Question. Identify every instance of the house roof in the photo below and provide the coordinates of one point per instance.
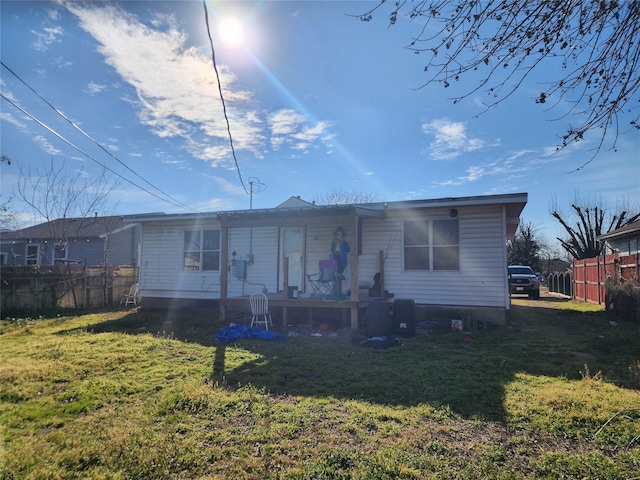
(630, 230)
(295, 208)
(65, 228)
(293, 202)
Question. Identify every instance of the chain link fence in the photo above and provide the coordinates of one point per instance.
(561, 283)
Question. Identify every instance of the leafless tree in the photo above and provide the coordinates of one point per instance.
(52, 195)
(593, 45)
(8, 219)
(526, 246)
(338, 196)
(592, 221)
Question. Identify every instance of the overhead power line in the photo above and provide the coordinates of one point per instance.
(43, 125)
(173, 202)
(224, 107)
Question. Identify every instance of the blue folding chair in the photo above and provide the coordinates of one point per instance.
(323, 282)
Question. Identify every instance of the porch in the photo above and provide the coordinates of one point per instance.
(351, 305)
(351, 310)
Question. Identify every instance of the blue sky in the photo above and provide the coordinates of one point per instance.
(317, 101)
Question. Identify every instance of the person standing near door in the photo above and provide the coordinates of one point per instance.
(340, 249)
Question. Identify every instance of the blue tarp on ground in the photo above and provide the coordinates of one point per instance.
(377, 342)
(234, 332)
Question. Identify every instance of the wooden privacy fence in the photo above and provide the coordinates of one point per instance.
(589, 274)
(35, 289)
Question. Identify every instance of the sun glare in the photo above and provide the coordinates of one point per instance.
(231, 31)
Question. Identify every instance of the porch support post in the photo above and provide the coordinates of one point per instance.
(224, 261)
(354, 317)
(285, 277)
(354, 269)
(285, 289)
(354, 262)
(381, 265)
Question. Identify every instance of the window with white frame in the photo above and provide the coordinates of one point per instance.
(201, 250)
(446, 248)
(59, 252)
(416, 245)
(33, 252)
(431, 245)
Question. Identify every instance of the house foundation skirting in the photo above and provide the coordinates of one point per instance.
(351, 312)
(473, 318)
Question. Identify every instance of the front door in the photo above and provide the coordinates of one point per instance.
(292, 246)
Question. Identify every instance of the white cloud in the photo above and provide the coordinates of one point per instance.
(176, 86)
(94, 88)
(7, 117)
(310, 134)
(229, 187)
(46, 37)
(285, 122)
(59, 62)
(172, 162)
(287, 127)
(450, 139)
(474, 173)
(301, 146)
(53, 14)
(177, 91)
(46, 146)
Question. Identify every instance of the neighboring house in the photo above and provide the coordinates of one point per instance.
(447, 255)
(89, 241)
(620, 260)
(624, 240)
(555, 265)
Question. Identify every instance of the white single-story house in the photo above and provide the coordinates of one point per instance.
(624, 240)
(447, 255)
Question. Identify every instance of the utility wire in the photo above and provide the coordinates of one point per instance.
(89, 156)
(175, 202)
(224, 107)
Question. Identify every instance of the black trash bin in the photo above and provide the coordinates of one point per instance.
(378, 318)
(404, 318)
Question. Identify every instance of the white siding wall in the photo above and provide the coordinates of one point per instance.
(161, 265)
(480, 280)
(262, 242)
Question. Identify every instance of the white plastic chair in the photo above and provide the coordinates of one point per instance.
(260, 310)
(133, 297)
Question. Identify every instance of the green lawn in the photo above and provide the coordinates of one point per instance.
(127, 394)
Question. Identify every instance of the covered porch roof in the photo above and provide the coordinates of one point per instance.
(348, 216)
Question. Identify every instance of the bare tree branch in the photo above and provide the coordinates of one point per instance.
(343, 197)
(52, 195)
(526, 247)
(593, 45)
(582, 240)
